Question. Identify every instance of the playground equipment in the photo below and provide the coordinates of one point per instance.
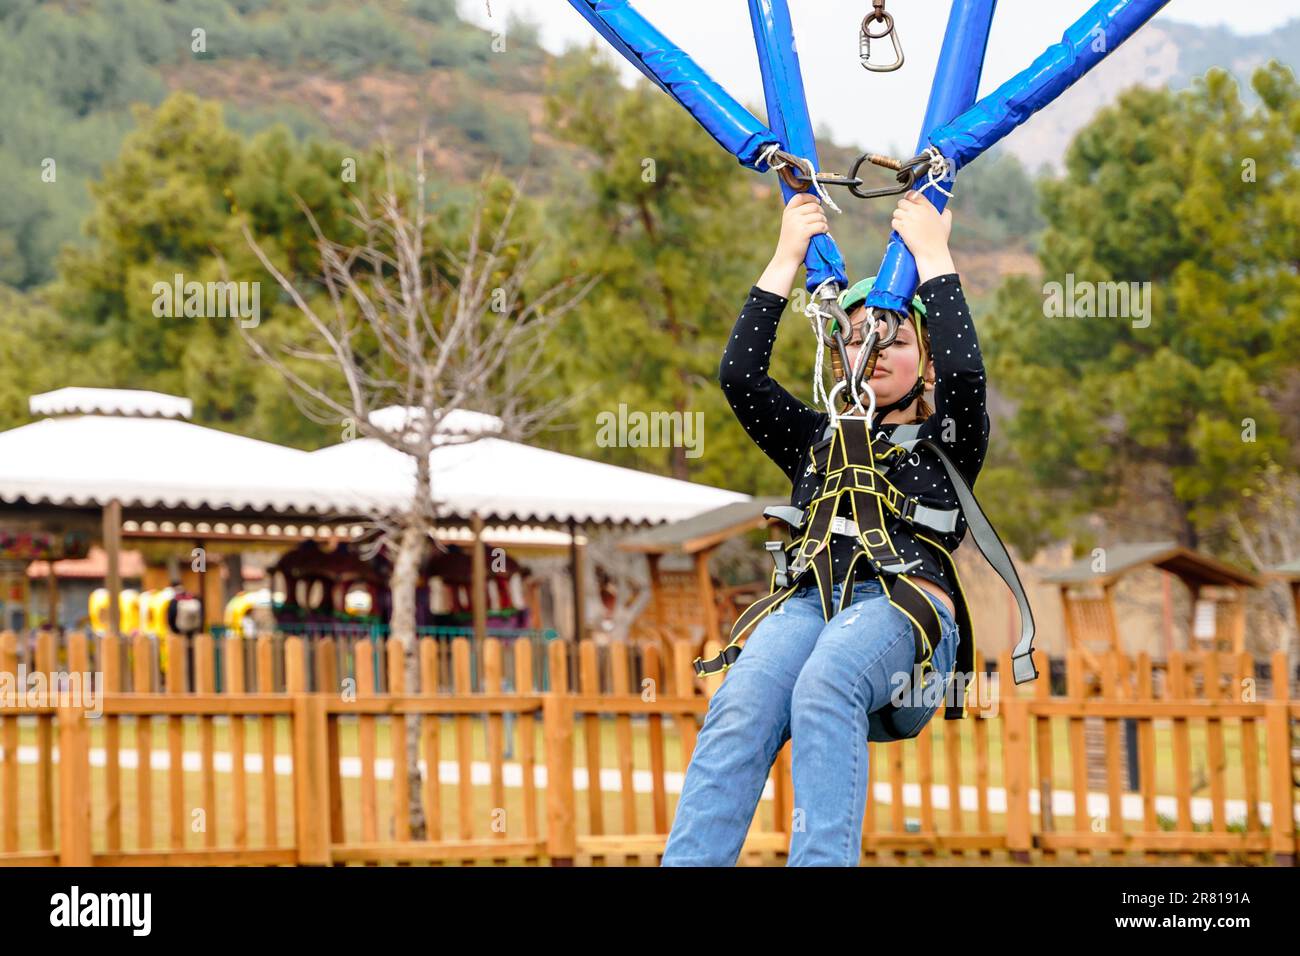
(956, 130)
(322, 591)
(249, 612)
(128, 603)
(155, 613)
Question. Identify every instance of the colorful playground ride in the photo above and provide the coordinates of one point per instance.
(155, 613)
(322, 592)
(128, 611)
(249, 612)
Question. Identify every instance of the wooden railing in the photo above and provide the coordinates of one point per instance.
(585, 771)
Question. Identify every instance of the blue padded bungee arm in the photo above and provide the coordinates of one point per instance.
(956, 81)
(787, 114)
(674, 72)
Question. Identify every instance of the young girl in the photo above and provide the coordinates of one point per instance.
(822, 684)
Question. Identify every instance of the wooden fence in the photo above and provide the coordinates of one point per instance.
(583, 772)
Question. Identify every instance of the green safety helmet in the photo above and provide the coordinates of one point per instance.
(855, 295)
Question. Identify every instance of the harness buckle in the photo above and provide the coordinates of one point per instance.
(900, 568)
(777, 550)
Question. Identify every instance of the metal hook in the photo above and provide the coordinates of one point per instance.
(878, 15)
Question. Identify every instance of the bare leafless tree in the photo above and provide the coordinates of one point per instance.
(627, 576)
(401, 320)
(1267, 529)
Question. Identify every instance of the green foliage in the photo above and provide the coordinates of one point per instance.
(352, 42)
(175, 202)
(435, 11)
(677, 235)
(503, 134)
(995, 200)
(1154, 423)
(72, 72)
(39, 351)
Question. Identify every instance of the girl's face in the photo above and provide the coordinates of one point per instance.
(897, 363)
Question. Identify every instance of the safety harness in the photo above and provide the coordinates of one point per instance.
(856, 469)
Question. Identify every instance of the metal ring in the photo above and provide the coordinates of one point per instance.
(830, 402)
(886, 18)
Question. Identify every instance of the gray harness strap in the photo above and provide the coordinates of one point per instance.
(994, 551)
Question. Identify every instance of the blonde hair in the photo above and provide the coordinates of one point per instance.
(923, 409)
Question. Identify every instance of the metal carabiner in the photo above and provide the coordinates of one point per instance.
(841, 319)
(908, 171)
(870, 410)
(873, 344)
(878, 15)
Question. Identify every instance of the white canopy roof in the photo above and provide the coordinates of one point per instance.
(91, 459)
(516, 481)
(161, 463)
(110, 401)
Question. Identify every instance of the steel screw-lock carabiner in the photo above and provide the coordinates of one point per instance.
(872, 344)
(908, 171)
(875, 342)
(878, 15)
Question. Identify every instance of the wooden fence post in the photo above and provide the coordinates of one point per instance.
(557, 732)
(311, 794)
(74, 787)
(234, 686)
(9, 743)
(1282, 827)
(1015, 755)
(1277, 720)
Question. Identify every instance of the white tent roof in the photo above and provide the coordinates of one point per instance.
(456, 423)
(160, 463)
(516, 481)
(110, 401)
(91, 459)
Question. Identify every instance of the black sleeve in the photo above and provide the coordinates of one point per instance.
(779, 423)
(960, 423)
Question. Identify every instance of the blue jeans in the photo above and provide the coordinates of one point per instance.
(821, 685)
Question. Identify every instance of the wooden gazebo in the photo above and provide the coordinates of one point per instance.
(687, 604)
(1087, 595)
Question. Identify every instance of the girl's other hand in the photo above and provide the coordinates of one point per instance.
(926, 232)
(803, 218)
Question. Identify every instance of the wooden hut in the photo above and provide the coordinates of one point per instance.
(1087, 587)
(688, 603)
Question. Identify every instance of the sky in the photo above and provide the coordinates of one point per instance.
(716, 34)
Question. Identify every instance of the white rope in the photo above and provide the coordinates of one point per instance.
(817, 317)
(807, 166)
(940, 168)
(768, 156)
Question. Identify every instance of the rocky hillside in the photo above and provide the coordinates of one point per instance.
(1163, 53)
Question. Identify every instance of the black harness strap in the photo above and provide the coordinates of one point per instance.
(856, 468)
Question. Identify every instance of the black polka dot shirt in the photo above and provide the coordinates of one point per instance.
(785, 428)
